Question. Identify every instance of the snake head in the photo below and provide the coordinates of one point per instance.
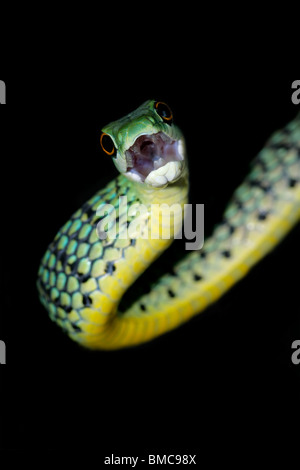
(146, 146)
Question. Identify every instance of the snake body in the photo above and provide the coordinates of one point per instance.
(82, 278)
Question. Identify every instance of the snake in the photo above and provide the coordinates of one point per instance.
(85, 272)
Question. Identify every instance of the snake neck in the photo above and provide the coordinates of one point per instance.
(158, 211)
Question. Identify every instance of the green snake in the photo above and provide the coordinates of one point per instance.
(83, 276)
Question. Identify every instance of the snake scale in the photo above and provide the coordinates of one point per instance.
(82, 278)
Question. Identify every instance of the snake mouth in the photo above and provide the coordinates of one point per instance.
(155, 159)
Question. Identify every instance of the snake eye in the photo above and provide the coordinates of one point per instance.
(164, 111)
(107, 144)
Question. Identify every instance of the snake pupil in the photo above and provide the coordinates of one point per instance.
(164, 111)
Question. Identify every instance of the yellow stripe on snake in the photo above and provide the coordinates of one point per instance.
(82, 278)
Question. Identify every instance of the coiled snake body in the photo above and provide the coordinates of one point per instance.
(83, 278)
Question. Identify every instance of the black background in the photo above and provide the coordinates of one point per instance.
(207, 382)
